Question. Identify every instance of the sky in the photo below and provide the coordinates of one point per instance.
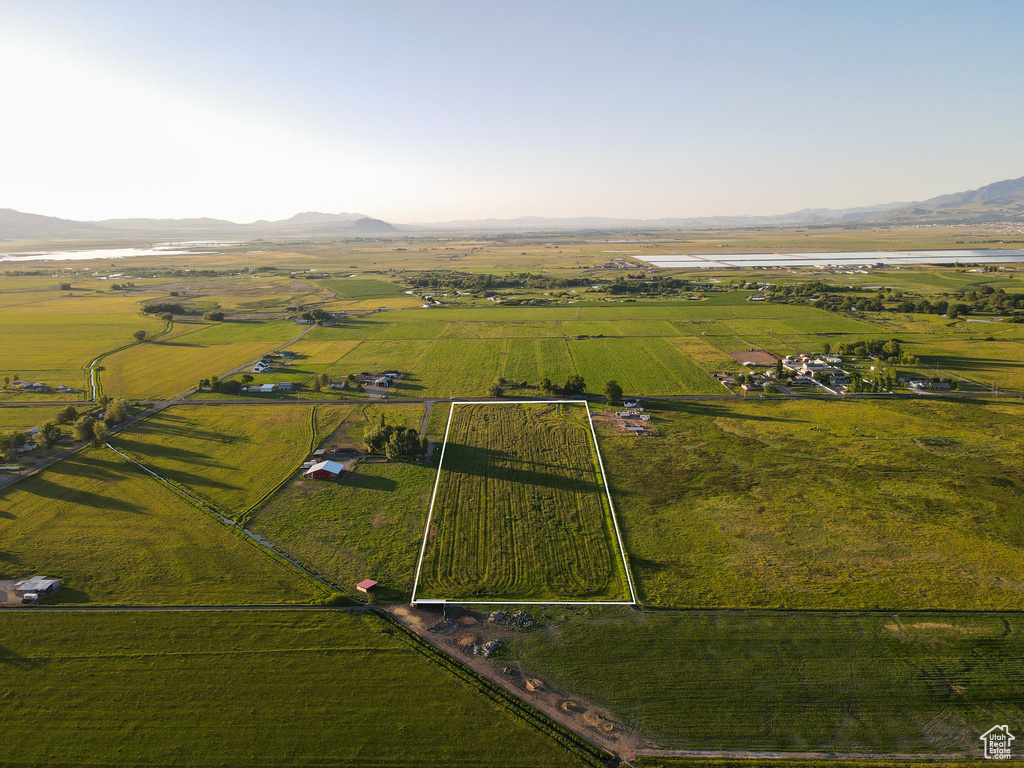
(434, 111)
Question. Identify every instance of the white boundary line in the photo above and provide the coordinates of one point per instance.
(611, 506)
(608, 493)
(433, 497)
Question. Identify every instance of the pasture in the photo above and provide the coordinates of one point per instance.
(892, 504)
(115, 536)
(520, 511)
(367, 524)
(763, 680)
(53, 338)
(234, 689)
(166, 368)
(230, 456)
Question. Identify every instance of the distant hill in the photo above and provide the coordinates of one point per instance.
(24, 225)
(17, 225)
(1001, 201)
(371, 226)
(806, 217)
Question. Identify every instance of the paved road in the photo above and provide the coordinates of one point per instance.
(140, 608)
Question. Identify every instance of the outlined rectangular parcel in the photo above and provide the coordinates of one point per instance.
(521, 511)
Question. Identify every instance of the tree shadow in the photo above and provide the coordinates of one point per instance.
(9, 658)
(502, 466)
(369, 482)
(714, 410)
(48, 490)
(140, 448)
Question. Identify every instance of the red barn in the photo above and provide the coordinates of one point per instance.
(325, 470)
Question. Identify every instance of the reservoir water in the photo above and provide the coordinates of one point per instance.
(188, 247)
(842, 259)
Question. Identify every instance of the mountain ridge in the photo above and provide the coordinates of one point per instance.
(999, 201)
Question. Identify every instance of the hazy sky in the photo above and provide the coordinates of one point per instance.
(428, 111)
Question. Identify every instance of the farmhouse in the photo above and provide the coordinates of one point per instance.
(324, 470)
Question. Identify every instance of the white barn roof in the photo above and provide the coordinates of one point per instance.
(330, 466)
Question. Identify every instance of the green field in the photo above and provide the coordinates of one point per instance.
(244, 689)
(115, 536)
(759, 680)
(520, 512)
(356, 288)
(231, 456)
(368, 524)
(163, 369)
(22, 418)
(52, 338)
(824, 504)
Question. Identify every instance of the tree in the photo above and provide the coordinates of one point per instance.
(247, 378)
(50, 434)
(574, 385)
(67, 415)
(7, 381)
(117, 412)
(139, 335)
(214, 316)
(167, 317)
(99, 432)
(892, 348)
(395, 442)
(547, 387)
(11, 442)
(613, 392)
(85, 428)
(64, 287)
(496, 389)
(779, 369)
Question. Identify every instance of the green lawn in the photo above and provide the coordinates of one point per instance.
(114, 535)
(824, 504)
(749, 680)
(231, 456)
(520, 512)
(243, 689)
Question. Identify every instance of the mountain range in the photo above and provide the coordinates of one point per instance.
(1001, 201)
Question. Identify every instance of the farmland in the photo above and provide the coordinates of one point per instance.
(842, 574)
(58, 335)
(261, 688)
(810, 504)
(229, 456)
(115, 536)
(843, 682)
(162, 369)
(519, 512)
(368, 524)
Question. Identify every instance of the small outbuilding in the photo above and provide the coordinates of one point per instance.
(366, 585)
(324, 470)
(40, 585)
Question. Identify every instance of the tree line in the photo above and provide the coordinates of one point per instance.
(83, 427)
